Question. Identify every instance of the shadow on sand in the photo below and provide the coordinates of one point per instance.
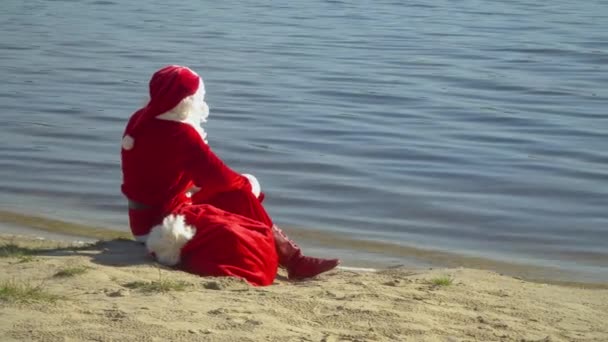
(117, 252)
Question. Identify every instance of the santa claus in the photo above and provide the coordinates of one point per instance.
(190, 208)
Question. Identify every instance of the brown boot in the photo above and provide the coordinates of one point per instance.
(299, 266)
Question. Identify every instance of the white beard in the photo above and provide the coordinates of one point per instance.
(193, 116)
(197, 118)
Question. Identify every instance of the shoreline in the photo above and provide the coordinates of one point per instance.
(111, 291)
(399, 256)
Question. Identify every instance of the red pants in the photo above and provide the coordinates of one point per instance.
(240, 202)
(226, 244)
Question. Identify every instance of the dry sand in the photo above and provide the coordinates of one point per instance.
(105, 304)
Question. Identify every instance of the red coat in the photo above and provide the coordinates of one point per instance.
(233, 237)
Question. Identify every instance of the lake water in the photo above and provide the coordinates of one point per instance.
(475, 127)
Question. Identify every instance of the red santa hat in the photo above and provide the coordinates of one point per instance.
(173, 88)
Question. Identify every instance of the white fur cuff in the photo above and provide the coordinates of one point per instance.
(256, 189)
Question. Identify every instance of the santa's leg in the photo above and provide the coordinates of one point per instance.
(299, 266)
(240, 202)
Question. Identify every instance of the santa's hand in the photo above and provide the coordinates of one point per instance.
(255, 185)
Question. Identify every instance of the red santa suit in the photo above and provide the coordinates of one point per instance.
(164, 156)
(221, 229)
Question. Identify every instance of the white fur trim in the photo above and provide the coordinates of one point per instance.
(141, 238)
(192, 110)
(166, 240)
(190, 192)
(256, 189)
(128, 142)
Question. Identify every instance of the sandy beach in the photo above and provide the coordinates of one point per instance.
(110, 291)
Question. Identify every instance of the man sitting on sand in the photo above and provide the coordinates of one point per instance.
(189, 207)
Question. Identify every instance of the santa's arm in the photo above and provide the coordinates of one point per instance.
(212, 175)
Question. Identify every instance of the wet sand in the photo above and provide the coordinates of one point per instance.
(354, 253)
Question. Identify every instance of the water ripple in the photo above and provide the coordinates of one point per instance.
(477, 127)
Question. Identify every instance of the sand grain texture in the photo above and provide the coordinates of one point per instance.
(392, 305)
